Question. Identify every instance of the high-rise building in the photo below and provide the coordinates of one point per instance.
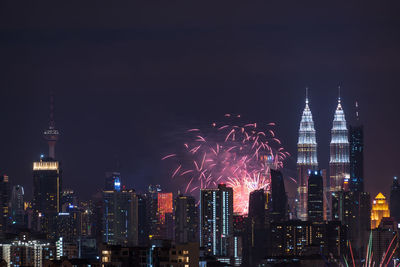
(256, 241)
(356, 136)
(306, 158)
(120, 217)
(143, 221)
(112, 181)
(186, 219)
(165, 224)
(380, 209)
(17, 205)
(395, 199)
(51, 135)
(339, 163)
(4, 202)
(69, 225)
(279, 201)
(216, 220)
(46, 194)
(152, 210)
(69, 200)
(315, 197)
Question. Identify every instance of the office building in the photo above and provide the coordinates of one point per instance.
(356, 138)
(395, 199)
(186, 219)
(279, 201)
(216, 220)
(120, 218)
(4, 203)
(315, 197)
(379, 210)
(143, 220)
(306, 158)
(17, 206)
(47, 182)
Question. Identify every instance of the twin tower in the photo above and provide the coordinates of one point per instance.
(339, 164)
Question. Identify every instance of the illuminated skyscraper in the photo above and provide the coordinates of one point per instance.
(306, 158)
(339, 164)
(380, 209)
(46, 194)
(165, 225)
(120, 221)
(216, 220)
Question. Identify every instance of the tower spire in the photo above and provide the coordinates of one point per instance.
(306, 95)
(339, 100)
(51, 135)
(357, 114)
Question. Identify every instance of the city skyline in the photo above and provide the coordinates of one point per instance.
(103, 117)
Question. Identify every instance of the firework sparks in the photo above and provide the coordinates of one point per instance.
(238, 155)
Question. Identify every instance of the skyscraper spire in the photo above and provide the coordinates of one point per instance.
(306, 157)
(51, 134)
(339, 149)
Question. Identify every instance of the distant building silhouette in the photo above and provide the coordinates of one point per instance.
(315, 197)
(395, 199)
(186, 219)
(279, 201)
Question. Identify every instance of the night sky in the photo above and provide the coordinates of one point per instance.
(128, 79)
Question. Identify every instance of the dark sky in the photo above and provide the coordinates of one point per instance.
(128, 77)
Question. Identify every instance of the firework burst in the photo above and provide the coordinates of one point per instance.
(239, 155)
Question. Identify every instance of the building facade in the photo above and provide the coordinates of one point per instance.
(186, 219)
(315, 197)
(47, 187)
(120, 218)
(216, 220)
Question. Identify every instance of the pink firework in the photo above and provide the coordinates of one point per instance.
(239, 155)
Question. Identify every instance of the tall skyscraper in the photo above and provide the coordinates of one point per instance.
(216, 220)
(17, 205)
(112, 181)
(51, 135)
(258, 221)
(152, 210)
(395, 199)
(279, 202)
(356, 136)
(306, 158)
(120, 221)
(4, 202)
(315, 197)
(165, 222)
(143, 221)
(46, 194)
(380, 209)
(186, 219)
(339, 150)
